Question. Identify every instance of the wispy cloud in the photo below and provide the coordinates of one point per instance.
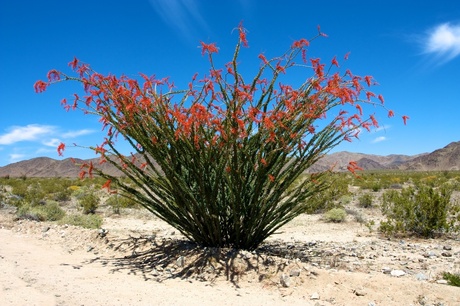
(54, 142)
(442, 41)
(182, 15)
(74, 134)
(29, 132)
(379, 139)
(16, 157)
(383, 128)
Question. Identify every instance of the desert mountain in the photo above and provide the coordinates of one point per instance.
(447, 158)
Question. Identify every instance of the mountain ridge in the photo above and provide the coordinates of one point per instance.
(443, 159)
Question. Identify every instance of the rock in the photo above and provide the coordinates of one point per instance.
(441, 281)
(155, 272)
(446, 254)
(359, 292)
(89, 248)
(246, 254)
(386, 270)
(447, 248)
(45, 229)
(102, 232)
(180, 262)
(421, 277)
(397, 273)
(294, 272)
(285, 280)
(314, 296)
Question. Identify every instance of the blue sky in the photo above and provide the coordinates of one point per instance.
(411, 48)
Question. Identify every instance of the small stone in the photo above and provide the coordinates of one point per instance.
(447, 248)
(359, 292)
(446, 254)
(397, 273)
(315, 296)
(155, 272)
(386, 270)
(89, 248)
(421, 277)
(285, 280)
(180, 262)
(45, 229)
(294, 272)
(246, 254)
(441, 281)
(102, 232)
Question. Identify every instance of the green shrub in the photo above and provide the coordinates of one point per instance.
(365, 200)
(452, 279)
(334, 196)
(420, 210)
(62, 195)
(335, 215)
(118, 201)
(217, 160)
(86, 221)
(89, 202)
(51, 211)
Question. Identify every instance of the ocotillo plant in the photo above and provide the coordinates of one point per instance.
(217, 160)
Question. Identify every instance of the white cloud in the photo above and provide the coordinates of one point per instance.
(379, 139)
(182, 15)
(443, 41)
(382, 128)
(73, 134)
(29, 132)
(15, 157)
(52, 142)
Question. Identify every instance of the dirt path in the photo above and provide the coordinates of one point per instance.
(47, 264)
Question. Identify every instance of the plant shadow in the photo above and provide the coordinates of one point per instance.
(160, 259)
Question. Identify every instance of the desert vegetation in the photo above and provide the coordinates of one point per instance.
(421, 204)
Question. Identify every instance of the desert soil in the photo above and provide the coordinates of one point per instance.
(139, 260)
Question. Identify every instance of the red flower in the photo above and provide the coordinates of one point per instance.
(107, 185)
(353, 167)
(90, 169)
(40, 86)
(405, 119)
(390, 113)
(368, 80)
(60, 148)
(300, 43)
(73, 64)
(271, 178)
(208, 48)
(53, 75)
(374, 121)
(243, 35)
(263, 58)
(359, 108)
(335, 62)
(280, 68)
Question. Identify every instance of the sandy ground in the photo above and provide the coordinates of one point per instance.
(139, 260)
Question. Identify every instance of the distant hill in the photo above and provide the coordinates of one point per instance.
(447, 158)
